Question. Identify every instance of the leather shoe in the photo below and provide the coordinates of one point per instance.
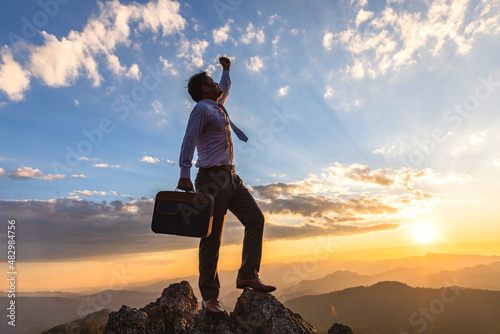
(255, 284)
(212, 306)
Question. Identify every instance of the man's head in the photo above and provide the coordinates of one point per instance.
(202, 86)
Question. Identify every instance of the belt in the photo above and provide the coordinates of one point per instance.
(217, 168)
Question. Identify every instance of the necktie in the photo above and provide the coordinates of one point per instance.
(239, 133)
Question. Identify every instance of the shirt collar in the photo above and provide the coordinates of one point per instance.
(210, 102)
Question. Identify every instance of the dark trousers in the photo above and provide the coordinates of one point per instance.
(229, 193)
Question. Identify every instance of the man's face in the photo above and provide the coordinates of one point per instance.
(211, 89)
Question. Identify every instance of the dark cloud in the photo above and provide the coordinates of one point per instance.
(318, 206)
(361, 173)
(309, 229)
(71, 229)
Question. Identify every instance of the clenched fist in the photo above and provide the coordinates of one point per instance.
(225, 62)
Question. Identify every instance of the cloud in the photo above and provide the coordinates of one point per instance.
(30, 173)
(86, 229)
(363, 16)
(478, 138)
(59, 62)
(343, 200)
(101, 165)
(171, 163)
(78, 176)
(283, 91)
(320, 206)
(2, 172)
(14, 80)
(315, 229)
(150, 160)
(221, 35)
(329, 92)
(328, 40)
(88, 193)
(167, 66)
(133, 72)
(192, 52)
(397, 40)
(273, 18)
(355, 191)
(252, 33)
(255, 64)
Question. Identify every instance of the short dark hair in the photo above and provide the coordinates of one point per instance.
(195, 83)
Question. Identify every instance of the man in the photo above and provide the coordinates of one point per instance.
(208, 130)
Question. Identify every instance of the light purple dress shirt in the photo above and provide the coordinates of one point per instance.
(208, 131)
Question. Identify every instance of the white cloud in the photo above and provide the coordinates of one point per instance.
(477, 138)
(328, 41)
(397, 40)
(133, 72)
(283, 91)
(356, 70)
(150, 160)
(30, 173)
(158, 108)
(192, 52)
(168, 66)
(78, 176)
(329, 92)
(59, 62)
(252, 33)
(255, 64)
(105, 166)
(2, 172)
(88, 193)
(76, 103)
(14, 80)
(221, 35)
(273, 18)
(171, 163)
(362, 16)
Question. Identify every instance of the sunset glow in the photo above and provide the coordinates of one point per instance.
(424, 233)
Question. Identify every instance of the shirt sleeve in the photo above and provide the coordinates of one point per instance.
(196, 124)
(225, 85)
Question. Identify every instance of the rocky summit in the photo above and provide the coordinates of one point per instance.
(176, 312)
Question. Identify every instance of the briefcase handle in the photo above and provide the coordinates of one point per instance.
(188, 191)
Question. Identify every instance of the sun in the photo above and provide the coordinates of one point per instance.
(424, 233)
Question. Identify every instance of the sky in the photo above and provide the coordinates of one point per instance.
(373, 126)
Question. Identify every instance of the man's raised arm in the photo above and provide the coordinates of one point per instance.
(225, 81)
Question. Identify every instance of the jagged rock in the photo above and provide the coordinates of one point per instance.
(179, 305)
(218, 324)
(176, 312)
(339, 329)
(257, 312)
(130, 321)
(172, 313)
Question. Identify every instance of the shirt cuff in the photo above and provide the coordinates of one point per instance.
(185, 173)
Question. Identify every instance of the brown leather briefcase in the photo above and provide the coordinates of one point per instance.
(187, 214)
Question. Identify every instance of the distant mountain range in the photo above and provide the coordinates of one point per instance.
(43, 310)
(395, 308)
(37, 314)
(486, 277)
